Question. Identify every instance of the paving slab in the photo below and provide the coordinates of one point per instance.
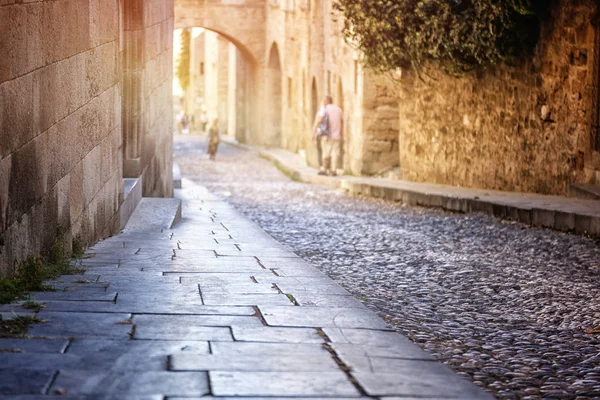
(418, 384)
(213, 306)
(321, 317)
(276, 335)
(35, 346)
(334, 383)
(121, 385)
(78, 324)
(24, 381)
(228, 299)
(302, 350)
(247, 362)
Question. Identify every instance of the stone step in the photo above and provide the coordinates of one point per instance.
(584, 191)
(132, 194)
(155, 213)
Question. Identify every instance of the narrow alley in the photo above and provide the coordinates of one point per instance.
(502, 303)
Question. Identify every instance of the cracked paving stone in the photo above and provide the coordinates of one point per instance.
(250, 363)
(281, 384)
(121, 384)
(322, 317)
(276, 335)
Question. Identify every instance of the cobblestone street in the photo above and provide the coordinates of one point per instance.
(505, 304)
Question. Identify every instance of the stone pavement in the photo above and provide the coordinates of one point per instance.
(556, 212)
(213, 307)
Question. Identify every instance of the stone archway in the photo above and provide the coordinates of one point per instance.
(275, 94)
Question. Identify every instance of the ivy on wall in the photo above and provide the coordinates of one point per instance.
(458, 34)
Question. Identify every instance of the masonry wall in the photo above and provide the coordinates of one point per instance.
(312, 47)
(148, 113)
(61, 127)
(523, 128)
(60, 124)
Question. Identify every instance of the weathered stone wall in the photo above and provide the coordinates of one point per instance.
(523, 128)
(60, 124)
(312, 48)
(151, 77)
(61, 143)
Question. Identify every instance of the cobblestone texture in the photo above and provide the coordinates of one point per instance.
(501, 303)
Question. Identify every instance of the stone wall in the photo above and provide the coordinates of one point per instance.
(523, 128)
(60, 124)
(148, 111)
(61, 143)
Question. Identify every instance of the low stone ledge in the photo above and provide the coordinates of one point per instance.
(559, 213)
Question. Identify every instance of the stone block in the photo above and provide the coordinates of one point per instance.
(276, 335)
(64, 29)
(21, 382)
(322, 317)
(119, 384)
(417, 384)
(251, 363)
(100, 68)
(16, 113)
(543, 218)
(21, 42)
(75, 324)
(35, 346)
(28, 177)
(281, 384)
(564, 221)
(104, 22)
(5, 168)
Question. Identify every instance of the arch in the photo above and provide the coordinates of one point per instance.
(248, 54)
(274, 94)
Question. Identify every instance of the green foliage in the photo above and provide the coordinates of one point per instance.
(458, 34)
(183, 64)
(77, 247)
(31, 273)
(16, 327)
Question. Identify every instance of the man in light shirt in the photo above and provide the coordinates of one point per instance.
(328, 130)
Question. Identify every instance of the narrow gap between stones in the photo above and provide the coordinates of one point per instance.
(199, 292)
(346, 369)
(259, 315)
(259, 263)
(46, 389)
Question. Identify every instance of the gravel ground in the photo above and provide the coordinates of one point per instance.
(504, 304)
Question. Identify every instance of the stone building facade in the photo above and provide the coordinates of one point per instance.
(525, 128)
(290, 54)
(84, 102)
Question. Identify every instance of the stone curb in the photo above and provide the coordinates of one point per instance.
(533, 210)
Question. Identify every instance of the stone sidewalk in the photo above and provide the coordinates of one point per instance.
(555, 212)
(213, 307)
